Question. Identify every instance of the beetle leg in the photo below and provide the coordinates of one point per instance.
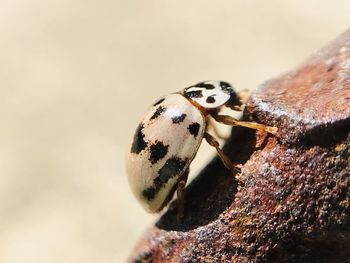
(238, 108)
(216, 131)
(228, 120)
(225, 160)
(180, 195)
(180, 200)
(243, 95)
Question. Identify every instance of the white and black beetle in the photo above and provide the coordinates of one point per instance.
(169, 135)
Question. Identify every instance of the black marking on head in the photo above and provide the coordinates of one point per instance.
(139, 142)
(194, 128)
(193, 94)
(159, 102)
(178, 119)
(158, 112)
(205, 85)
(210, 99)
(158, 151)
(170, 169)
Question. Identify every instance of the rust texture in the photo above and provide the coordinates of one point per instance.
(294, 203)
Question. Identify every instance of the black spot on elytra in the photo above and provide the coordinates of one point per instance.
(150, 192)
(210, 99)
(173, 167)
(194, 94)
(194, 128)
(159, 102)
(178, 119)
(139, 142)
(158, 112)
(158, 151)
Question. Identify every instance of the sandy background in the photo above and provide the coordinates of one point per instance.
(75, 76)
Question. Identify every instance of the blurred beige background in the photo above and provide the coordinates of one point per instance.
(75, 76)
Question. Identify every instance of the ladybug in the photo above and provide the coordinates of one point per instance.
(169, 135)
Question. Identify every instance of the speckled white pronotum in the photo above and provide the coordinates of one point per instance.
(168, 137)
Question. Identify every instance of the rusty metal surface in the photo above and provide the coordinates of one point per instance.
(313, 96)
(294, 205)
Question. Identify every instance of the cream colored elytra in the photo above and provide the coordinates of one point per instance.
(172, 128)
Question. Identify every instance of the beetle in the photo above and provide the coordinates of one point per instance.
(169, 135)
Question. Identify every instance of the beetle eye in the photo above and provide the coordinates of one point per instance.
(225, 86)
(234, 100)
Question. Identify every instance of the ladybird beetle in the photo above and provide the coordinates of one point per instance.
(169, 135)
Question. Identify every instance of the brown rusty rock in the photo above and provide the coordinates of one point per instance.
(313, 98)
(294, 205)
